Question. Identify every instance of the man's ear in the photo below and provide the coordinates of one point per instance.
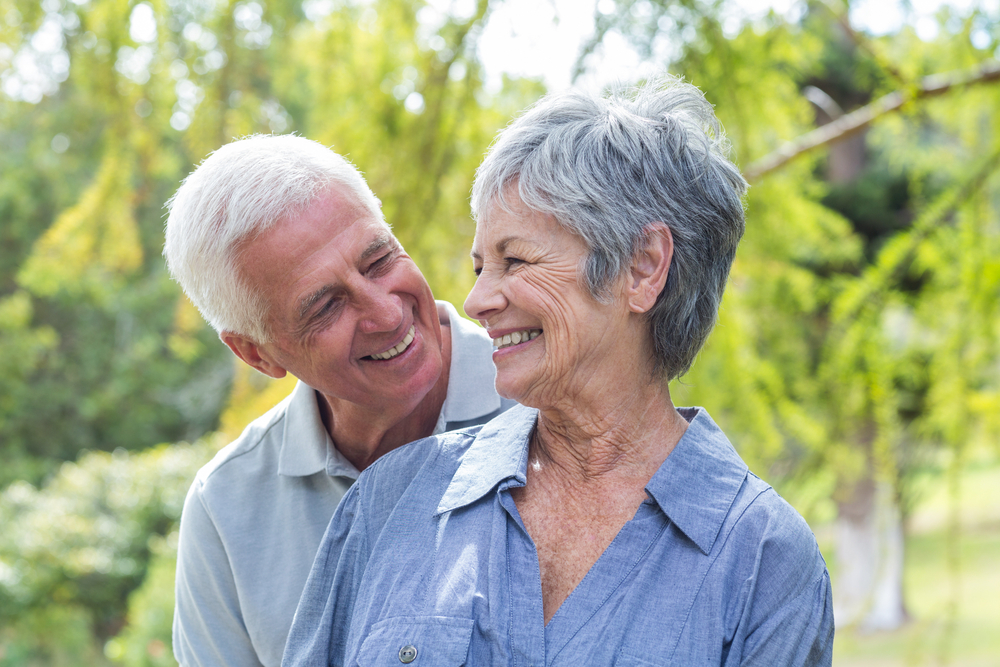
(650, 267)
(252, 354)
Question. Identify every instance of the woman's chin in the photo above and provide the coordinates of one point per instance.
(514, 385)
(508, 390)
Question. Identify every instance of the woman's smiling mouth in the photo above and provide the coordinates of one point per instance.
(507, 340)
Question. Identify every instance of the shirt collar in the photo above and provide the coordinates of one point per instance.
(499, 452)
(694, 487)
(306, 446)
(471, 380)
(697, 484)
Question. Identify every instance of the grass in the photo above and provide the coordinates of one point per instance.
(952, 589)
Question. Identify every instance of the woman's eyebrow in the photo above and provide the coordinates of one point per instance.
(501, 246)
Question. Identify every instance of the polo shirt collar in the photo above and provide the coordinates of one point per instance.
(306, 447)
(697, 484)
(499, 452)
(471, 380)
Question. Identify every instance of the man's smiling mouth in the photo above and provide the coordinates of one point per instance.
(398, 349)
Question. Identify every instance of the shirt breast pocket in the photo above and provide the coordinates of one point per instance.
(420, 641)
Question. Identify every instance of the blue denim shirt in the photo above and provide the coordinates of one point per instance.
(427, 554)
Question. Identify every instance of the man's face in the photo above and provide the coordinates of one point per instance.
(351, 314)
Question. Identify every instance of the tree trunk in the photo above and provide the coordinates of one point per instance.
(868, 591)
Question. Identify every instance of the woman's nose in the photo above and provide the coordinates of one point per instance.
(485, 299)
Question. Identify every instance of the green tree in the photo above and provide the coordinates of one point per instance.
(850, 343)
(106, 106)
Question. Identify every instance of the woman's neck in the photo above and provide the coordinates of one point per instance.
(621, 433)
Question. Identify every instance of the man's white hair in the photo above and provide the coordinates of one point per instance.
(238, 192)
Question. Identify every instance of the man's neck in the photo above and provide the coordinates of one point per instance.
(362, 436)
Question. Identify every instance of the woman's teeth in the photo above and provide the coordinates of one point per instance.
(395, 351)
(517, 337)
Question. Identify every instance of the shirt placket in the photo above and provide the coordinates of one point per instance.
(525, 621)
(572, 632)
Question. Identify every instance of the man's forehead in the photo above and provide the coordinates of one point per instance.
(360, 230)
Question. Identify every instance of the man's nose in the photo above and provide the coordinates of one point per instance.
(380, 311)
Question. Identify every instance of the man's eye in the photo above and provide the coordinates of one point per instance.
(380, 264)
(511, 261)
(327, 307)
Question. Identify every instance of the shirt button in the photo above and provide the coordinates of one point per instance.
(408, 654)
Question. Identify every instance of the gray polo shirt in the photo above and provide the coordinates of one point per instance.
(255, 515)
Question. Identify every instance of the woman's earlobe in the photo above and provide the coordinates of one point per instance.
(650, 268)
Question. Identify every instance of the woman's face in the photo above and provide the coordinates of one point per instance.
(551, 339)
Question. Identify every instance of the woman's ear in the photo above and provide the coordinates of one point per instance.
(252, 354)
(650, 267)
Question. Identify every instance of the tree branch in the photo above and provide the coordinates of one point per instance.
(854, 122)
(893, 262)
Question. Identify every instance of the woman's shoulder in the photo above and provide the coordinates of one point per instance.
(774, 535)
(425, 461)
(423, 470)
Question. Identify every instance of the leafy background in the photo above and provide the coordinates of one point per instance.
(855, 364)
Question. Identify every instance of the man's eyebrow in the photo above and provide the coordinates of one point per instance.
(382, 240)
(378, 243)
(307, 303)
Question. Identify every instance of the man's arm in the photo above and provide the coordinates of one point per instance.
(208, 624)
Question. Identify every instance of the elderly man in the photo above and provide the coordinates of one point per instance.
(283, 248)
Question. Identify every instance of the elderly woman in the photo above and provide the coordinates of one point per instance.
(598, 524)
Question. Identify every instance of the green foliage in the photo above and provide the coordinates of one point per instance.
(145, 641)
(84, 542)
(30, 639)
(858, 337)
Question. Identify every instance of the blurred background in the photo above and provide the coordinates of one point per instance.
(856, 363)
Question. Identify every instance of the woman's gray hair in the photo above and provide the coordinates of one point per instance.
(606, 168)
(238, 192)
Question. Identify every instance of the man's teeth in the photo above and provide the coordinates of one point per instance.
(395, 351)
(517, 337)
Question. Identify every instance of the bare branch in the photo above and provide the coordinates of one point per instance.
(847, 125)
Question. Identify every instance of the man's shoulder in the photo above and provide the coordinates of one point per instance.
(259, 444)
